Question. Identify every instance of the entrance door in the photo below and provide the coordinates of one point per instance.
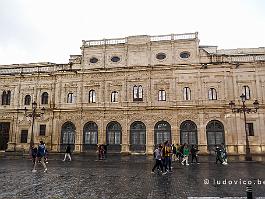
(4, 134)
(68, 136)
(138, 137)
(215, 134)
(188, 133)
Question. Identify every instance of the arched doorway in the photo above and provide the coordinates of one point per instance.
(68, 136)
(113, 137)
(162, 132)
(90, 136)
(137, 137)
(215, 134)
(4, 135)
(188, 133)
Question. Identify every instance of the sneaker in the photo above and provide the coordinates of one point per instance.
(182, 163)
(187, 164)
(152, 172)
(34, 171)
(164, 173)
(198, 163)
(45, 170)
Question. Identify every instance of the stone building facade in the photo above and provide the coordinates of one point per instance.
(135, 92)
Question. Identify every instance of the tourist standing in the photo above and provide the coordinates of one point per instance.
(67, 153)
(40, 155)
(194, 154)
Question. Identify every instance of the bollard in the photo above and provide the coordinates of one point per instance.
(249, 191)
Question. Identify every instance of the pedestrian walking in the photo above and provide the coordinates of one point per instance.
(186, 153)
(194, 154)
(219, 158)
(67, 153)
(40, 156)
(158, 159)
(101, 152)
(174, 153)
(34, 152)
(224, 153)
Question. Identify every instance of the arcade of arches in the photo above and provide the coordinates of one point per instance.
(137, 138)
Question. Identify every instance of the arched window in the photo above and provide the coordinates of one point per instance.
(6, 97)
(92, 96)
(114, 96)
(188, 132)
(162, 95)
(246, 92)
(90, 136)
(27, 100)
(215, 134)
(138, 137)
(212, 94)
(44, 98)
(138, 93)
(70, 98)
(114, 135)
(162, 132)
(67, 135)
(186, 93)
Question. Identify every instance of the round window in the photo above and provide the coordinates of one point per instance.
(161, 56)
(115, 59)
(93, 60)
(184, 55)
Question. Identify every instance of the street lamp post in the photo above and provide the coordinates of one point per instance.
(33, 115)
(244, 109)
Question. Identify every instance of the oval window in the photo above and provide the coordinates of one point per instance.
(184, 55)
(161, 56)
(93, 60)
(115, 59)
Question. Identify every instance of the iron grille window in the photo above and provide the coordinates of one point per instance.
(6, 97)
(44, 98)
(212, 94)
(90, 133)
(186, 93)
(250, 129)
(27, 100)
(246, 92)
(162, 95)
(42, 129)
(138, 93)
(24, 136)
(92, 96)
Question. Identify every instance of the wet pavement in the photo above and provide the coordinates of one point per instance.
(130, 177)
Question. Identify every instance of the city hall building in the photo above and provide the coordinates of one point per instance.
(136, 92)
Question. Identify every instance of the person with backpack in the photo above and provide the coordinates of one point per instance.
(40, 155)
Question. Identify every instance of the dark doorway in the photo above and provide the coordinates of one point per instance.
(188, 133)
(68, 136)
(137, 137)
(114, 135)
(4, 135)
(215, 134)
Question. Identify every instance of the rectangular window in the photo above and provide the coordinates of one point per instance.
(42, 129)
(250, 129)
(24, 136)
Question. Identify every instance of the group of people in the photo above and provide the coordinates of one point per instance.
(165, 154)
(39, 155)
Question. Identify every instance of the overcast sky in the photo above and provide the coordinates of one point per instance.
(50, 30)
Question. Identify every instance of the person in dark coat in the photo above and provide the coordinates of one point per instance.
(67, 153)
(194, 154)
